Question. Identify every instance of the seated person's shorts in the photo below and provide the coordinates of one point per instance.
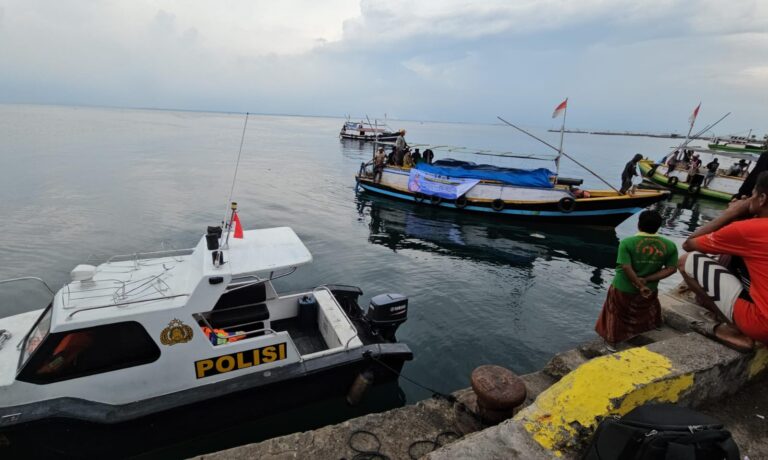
(727, 292)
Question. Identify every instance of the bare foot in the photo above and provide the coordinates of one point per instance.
(732, 337)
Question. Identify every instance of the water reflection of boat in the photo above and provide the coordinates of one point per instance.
(399, 226)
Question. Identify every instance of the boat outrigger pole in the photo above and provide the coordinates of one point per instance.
(560, 150)
(696, 135)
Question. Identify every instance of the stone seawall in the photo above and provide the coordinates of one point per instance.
(566, 400)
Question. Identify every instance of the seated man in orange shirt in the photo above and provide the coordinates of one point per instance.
(741, 305)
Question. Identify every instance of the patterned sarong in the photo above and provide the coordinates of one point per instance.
(627, 315)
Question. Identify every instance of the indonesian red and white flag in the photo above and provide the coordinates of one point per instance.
(695, 114)
(560, 108)
(238, 227)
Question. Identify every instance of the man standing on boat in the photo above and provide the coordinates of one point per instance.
(400, 147)
(630, 171)
(712, 167)
(378, 161)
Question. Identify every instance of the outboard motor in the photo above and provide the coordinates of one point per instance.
(386, 313)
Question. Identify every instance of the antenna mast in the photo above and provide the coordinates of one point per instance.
(234, 177)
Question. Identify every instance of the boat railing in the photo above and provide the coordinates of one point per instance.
(343, 313)
(28, 278)
(123, 304)
(136, 256)
(243, 283)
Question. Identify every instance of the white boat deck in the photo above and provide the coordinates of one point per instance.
(141, 283)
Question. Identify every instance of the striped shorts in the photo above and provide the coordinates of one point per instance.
(720, 285)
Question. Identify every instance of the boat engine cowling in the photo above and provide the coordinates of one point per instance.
(386, 313)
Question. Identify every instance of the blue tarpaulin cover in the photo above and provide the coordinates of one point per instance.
(512, 176)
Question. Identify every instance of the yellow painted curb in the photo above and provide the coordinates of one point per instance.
(759, 363)
(613, 384)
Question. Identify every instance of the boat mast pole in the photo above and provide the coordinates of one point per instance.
(562, 133)
(234, 177)
(561, 152)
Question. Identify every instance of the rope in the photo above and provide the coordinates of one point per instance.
(435, 393)
(432, 444)
(438, 441)
(376, 454)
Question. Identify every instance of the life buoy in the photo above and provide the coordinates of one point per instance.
(435, 200)
(497, 204)
(566, 204)
(672, 181)
(461, 202)
(651, 171)
(418, 197)
(694, 189)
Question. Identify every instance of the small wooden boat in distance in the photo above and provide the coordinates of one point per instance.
(364, 132)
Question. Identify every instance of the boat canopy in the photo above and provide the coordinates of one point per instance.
(267, 249)
(539, 177)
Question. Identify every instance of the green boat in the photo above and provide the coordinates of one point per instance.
(722, 187)
(740, 145)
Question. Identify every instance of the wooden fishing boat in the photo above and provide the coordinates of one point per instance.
(722, 187)
(363, 132)
(520, 194)
(183, 336)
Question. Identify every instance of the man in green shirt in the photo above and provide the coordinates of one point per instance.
(632, 305)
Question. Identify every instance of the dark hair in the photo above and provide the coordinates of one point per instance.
(761, 185)
(637, 157)
(650, 221)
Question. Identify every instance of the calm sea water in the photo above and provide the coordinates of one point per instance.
(81, 184)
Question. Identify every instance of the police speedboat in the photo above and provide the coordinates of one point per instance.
(148, 334)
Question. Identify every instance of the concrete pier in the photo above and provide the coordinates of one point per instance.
(566, 400)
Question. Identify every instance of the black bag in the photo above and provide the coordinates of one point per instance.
(662, 432)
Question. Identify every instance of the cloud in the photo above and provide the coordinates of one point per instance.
(622, 62)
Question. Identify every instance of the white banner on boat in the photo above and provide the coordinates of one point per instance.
(433, 185)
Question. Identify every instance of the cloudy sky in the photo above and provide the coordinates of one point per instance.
(624, 64)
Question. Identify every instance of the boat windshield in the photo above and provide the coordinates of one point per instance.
(36, 336)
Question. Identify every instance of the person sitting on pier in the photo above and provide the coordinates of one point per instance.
(712, 168)
(740, 303)
(630, 171)
(632, 304)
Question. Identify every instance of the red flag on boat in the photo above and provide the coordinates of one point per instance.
(238, 230)
(695, 114)
(560, 108)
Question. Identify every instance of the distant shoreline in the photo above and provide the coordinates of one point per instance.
(629, 133)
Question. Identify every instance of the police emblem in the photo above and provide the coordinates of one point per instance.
(176, 332)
